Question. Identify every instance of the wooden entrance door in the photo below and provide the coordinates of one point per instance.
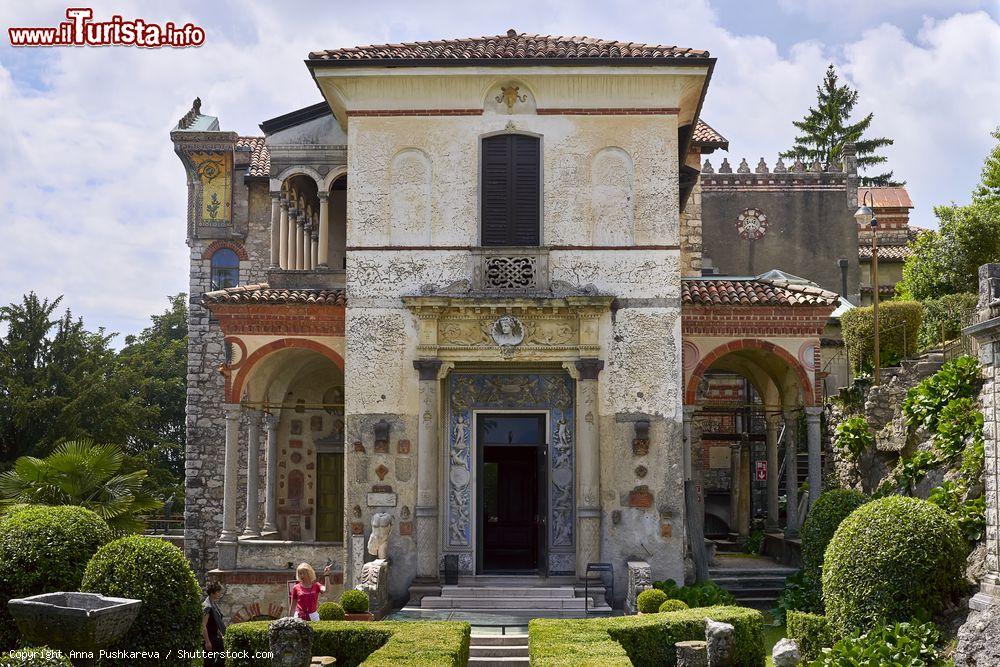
(329, 497)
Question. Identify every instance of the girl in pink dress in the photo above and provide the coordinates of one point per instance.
(305, 594)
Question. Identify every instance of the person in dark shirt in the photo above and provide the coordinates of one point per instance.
(213, 628)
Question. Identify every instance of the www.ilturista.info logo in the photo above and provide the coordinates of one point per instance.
(82, 30)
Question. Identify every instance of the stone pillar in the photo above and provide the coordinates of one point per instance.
(694, 513)
(283, 235)
(427, 470)
(735, 488)
(227, 540)
(300, 245)
(293, 234)
(773, 427)
(813, 415)
(314, 262)
(791, 474)
(307, 245)
(743, 508)
(588, 471)
(689, 412)
(275, 227)
(271, 480)
(252, 528)
(323, 255)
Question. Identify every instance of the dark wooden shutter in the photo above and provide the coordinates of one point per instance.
(511, 190)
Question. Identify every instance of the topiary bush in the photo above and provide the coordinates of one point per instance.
(672, 605)
(354, 601)
(157, 573)
(649, 601)
(44, 550)
(892, 559)
(35, 657)
(702, 594)
(831, 508)
(330, 611)
(945, 316)
(801, 593)
(899, 328)
(812, 632)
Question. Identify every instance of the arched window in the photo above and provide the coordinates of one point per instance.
(511, 190)
(225, 269)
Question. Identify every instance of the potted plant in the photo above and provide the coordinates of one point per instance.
(355, 604)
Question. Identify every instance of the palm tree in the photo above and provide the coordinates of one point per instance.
(80, 472)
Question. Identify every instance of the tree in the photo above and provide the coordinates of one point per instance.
(85, 474)
(947, 261)
(826, 130)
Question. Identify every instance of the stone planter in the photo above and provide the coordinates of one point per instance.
(73, 621)
(366, 616)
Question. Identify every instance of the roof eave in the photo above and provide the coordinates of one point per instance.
(684, 61)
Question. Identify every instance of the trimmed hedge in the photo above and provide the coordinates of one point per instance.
(330, 611)
(44, 549)
(945, 316)
(372, 644)
(892, 559)
(156, 572)
(354, 601)
(649, 601)
(812, 632)
(831, 508)
(898, 324)
(35, 657)
(644, 641)
(673, 605)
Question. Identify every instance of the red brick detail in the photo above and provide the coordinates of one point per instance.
(808, 388)
(238, 342)
(359, 447)
(357, 528)
(609, 111)
(235, 389)
(295, 444)
(640, 496)
(382, 488)
(381, 471)
(405, 527)
(738, 321)
(289, 319)
(666, 530)
(235, 246)
(414, 112)
(403, 447)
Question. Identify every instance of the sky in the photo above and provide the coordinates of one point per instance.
(93, 199)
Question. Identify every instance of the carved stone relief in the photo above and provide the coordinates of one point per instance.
(410, 198)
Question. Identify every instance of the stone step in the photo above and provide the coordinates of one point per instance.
(517, 580)
(507, 592)
(499, 651)
(498, 662)
(481, 603)
(499, 640)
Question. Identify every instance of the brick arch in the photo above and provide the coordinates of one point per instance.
(235, 246)
(235, 386)
(691, 392)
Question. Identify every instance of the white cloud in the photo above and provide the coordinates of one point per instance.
(92, 201)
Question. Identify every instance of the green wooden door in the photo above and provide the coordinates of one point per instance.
(330, 497)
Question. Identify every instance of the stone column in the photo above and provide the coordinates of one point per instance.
(307, 253)
(588, 471)
(293, 235)
(275, 227)
(743, 508)
(300, 238)
(271, 480)
(428, 437)
(227, 540)
(315, 246)
(791, 474)
(323, 255)
(283, 235)
(694, 512)
(772, 423)
(689, 412)
(813, 415)
(252, 528)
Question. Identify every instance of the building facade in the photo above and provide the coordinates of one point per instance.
(462, 295)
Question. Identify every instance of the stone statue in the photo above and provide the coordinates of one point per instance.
(378, 543)
(290, 641)
(507, 331)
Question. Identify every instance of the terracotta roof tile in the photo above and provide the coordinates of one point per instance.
(892, 253)
(510, 46)
(262, 294)
(705, 135)
(260, 157)
(751, 292)
(887, 197)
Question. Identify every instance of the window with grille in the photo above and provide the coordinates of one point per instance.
(511, 190)
(225, 269)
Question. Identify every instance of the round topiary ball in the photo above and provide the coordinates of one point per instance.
(649, 601)
(673, 605)
(330, 611)
(157, 573)
(354, 601)
(831, 508)
(891, 560)
(44, 550)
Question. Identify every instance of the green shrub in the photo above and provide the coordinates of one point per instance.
(330, 611)
(959, 425)
(892, 559)
(899, 328)
(909, 472)
(354, 601)
(812, 632)
(854, 436)
(831, 508)
(969, 513)
(703, 594)
(801, 593)
(649, 601)
(958, 378)
(899, 644)
(672, 605)
(945, 316)
(44, 550)
(157, 573)
(644, 641)
(381, 644)
(35, 657)
(755, 540)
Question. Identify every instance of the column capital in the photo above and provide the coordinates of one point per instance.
(813, 412)
(323, 196)
(427, 368)
(276, 195)
(691, 410)
(308, 225)
(271, 421)
(232, 411)
(589, 367)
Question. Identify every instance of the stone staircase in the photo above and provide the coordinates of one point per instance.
(498, 650)
(521, 597)
(757, 587)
